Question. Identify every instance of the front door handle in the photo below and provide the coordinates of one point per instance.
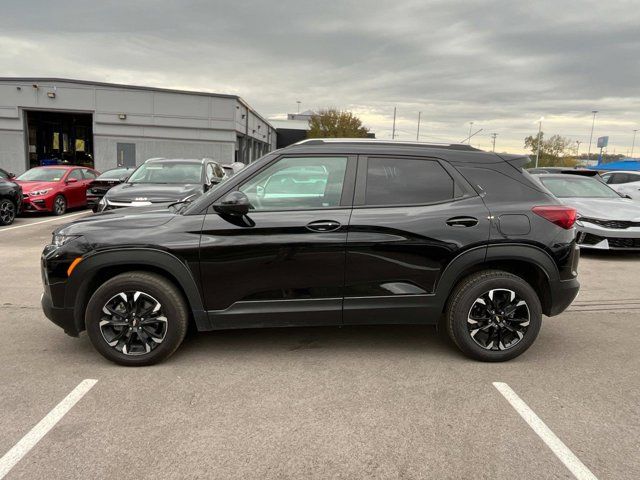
(462, 222)
(323, 226)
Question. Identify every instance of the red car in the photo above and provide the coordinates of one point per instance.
(55, 189)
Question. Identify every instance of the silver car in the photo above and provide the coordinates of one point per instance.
(606, 220)
(624, 182)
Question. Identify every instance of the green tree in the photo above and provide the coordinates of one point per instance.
(554, 152)
(335, 123)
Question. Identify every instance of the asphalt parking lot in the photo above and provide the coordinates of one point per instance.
(352, 402)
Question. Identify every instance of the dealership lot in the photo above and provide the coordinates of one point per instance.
(374, 402)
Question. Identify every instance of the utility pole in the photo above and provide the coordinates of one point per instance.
(493, 138)
(539, 140)
(418, 132)
(393, 132)
(591, 136)
(634, 142)
(469, 138)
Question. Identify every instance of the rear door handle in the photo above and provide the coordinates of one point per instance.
(462, 222)
(323, 226)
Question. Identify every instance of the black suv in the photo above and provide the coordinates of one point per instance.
(10, 198)
(163, 180)
(325, 233)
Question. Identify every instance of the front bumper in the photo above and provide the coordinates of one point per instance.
(592, 236)
(63, 317)
(36, 204)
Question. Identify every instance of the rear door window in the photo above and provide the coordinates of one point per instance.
(406, 181)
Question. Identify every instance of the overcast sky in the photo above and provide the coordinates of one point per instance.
(501, 64)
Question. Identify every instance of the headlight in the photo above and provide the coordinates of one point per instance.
(37, 193)
(58, 239)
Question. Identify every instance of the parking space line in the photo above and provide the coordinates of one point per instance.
(566, 456)
(6, 229)
(20, 449)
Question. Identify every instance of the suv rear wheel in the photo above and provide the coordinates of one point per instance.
(136, 319)
(493, 316)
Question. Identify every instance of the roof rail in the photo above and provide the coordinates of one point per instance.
(320, 141)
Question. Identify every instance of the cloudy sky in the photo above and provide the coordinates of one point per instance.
(501, 64)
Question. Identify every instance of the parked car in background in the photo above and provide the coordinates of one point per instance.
(55, 189)
(10, 198)
(606, 220)
(163, 180)
(626, 183)
(104, 182)
(325, 233)
(230, 169)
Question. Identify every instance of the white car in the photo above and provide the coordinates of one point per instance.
(624, 182)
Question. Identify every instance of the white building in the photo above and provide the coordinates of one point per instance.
(48, 120)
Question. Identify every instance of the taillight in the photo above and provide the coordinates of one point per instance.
(560, 215)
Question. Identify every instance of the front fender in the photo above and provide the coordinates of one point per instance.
(77, 292)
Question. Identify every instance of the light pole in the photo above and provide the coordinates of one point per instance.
(470, 127)
(493, 137)
(539, 140)
(633, 144)
(418, 132)
(298, 102)
(578, 142)
(393, 132)
(591, 136)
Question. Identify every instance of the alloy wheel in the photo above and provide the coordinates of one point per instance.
(498, 319)
(7, 212)
(59, 205)
(133, 323)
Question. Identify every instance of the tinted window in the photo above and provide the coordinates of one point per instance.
(43, 175)
(77, 174)
(89, 174)
(115, 174)
(167, 172)
(565, 187)
(393, 181)
(298, 183)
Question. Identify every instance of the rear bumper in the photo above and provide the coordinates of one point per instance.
(63, 317)
(563, 293)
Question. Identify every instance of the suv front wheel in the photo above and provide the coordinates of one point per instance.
(136, 319)
(493, 316)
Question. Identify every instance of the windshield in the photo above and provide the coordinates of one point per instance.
(167, 172)
(115, 174)
(563, 187)
(43, 175)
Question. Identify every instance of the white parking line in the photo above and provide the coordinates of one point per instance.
(20, 449)
(6, 229)
(566, 456)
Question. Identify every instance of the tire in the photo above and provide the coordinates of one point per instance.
(500, 336)
(7, 211)
(59, 205)
(135, 340)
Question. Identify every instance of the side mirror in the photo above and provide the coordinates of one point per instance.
(12, 176)
(628, 196)
(233, 203)
(72, 180)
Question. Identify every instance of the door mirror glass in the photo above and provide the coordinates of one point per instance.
(233, 203)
